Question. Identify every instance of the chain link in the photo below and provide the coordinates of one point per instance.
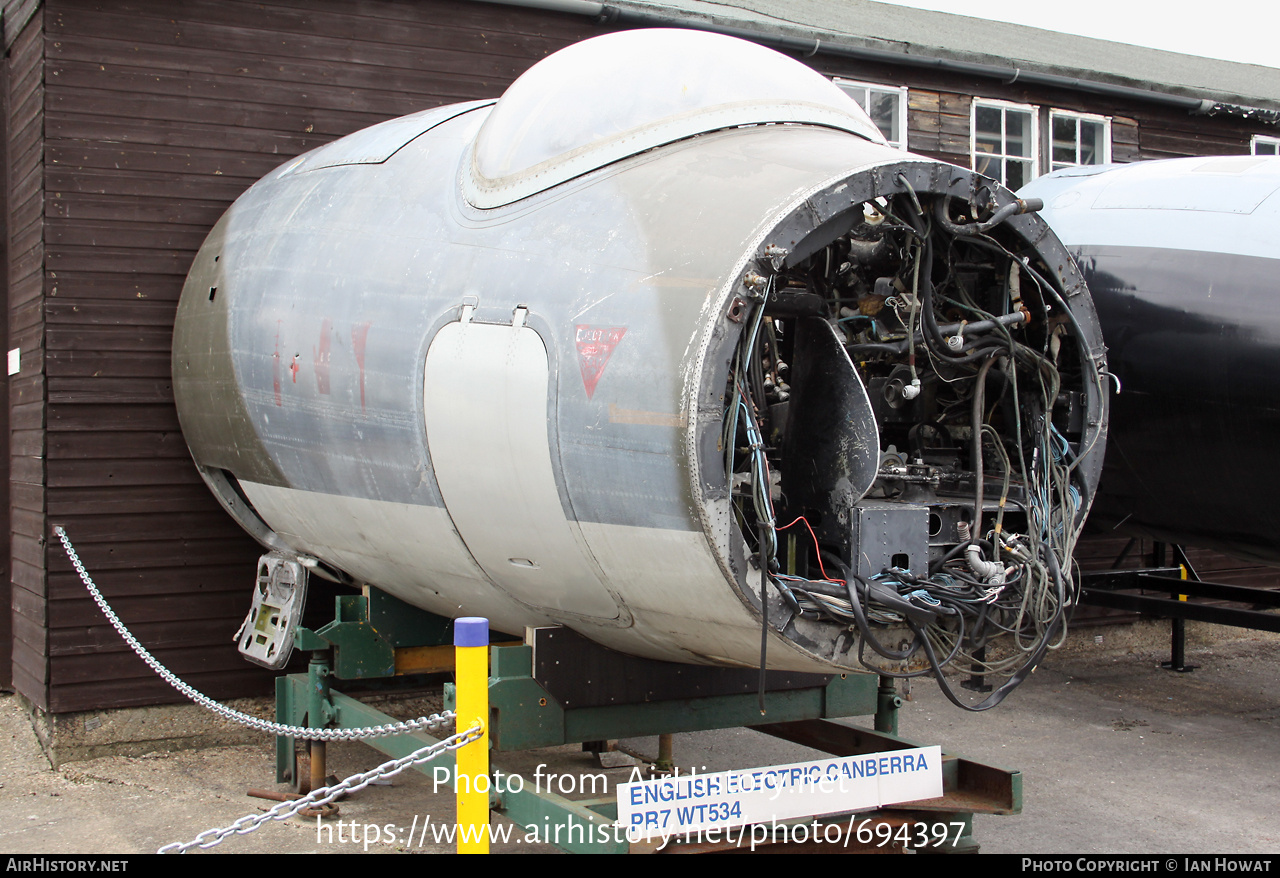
(316, 798)
(323, 796)
(435, 722)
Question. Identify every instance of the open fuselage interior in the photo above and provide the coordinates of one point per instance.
(905, 416)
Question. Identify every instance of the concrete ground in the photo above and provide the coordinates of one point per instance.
(1117, 757)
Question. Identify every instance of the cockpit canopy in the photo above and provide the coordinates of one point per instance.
(615, 96)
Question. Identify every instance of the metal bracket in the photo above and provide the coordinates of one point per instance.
(537, 704)
(374, 635)
(359, 651)
(968, 786)
(267, 633)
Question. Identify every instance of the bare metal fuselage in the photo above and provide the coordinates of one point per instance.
(518, 412)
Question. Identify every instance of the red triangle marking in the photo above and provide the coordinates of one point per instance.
(595, 346)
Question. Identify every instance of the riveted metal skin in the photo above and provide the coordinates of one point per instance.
(516, 412)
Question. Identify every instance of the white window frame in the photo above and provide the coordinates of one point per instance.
(1033, 113)
(1053, 164)
(851, 86)
(1273, 142)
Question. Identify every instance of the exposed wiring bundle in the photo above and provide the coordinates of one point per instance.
(973, 374)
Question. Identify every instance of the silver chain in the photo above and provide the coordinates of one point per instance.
(316, 798)
(323, 796)
(435, 722)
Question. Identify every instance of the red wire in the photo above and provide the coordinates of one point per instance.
(816, 550)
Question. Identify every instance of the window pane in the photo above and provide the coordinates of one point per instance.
(1093, 149)
(1262, 147)
(986, 123)
(884, 106)
(1064, 140)
(857, 93)
(1017, 173)
(987, 166)
(988, 144)
(884, 112)
(1017, 133)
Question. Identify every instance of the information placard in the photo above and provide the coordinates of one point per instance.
(694, 802)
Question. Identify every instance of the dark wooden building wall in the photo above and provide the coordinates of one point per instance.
(156, 117)
(6, 587)
(132, 127)
(25, 149)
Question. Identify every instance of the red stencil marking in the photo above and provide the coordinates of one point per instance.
(595, 346)
(322, 356)
(359, 335)
(275, 366)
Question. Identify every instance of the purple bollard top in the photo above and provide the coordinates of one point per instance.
(471, 631)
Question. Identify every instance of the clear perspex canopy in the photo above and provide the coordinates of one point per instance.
(607, 98)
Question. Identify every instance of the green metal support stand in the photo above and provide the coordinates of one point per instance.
(371, 639)
(887, 703)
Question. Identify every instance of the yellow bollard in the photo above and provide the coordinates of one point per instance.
(471, 648)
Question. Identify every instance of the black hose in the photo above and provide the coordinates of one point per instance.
(764, 611)
(864, 627)
(1013, 208)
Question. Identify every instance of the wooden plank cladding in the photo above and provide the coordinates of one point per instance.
(155, 117)
(16, 15)
(6, 585)
(24, 512)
